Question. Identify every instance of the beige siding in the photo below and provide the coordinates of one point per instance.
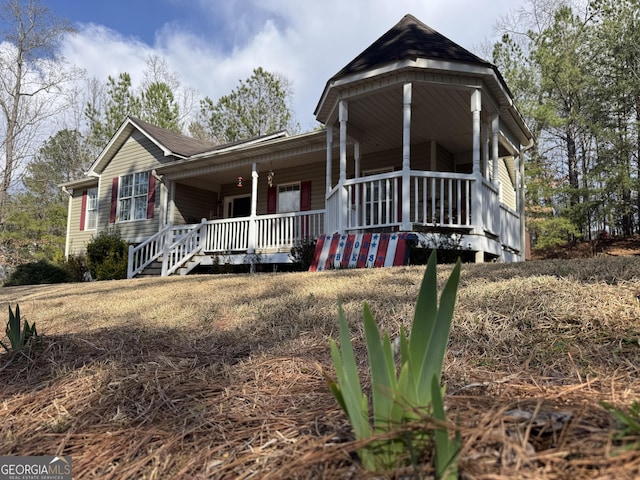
(507, 187)
(77, 238)
(138, 154)
(193, 204)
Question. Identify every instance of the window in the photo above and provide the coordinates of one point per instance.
(91, 216)
(89, 210)
(289, 198)
(133, 197)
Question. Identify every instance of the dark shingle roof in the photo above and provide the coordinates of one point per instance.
(175, 142)
(186, 146)
(409, 39)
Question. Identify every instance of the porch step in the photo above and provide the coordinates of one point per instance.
(154, 269)
(361, 250)
(195, 261)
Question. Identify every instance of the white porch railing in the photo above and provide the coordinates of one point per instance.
(333, 210)
(176, 245)
(437, 199)
(490, 208)
(182, 249)
(442, 199)
(510, 228)
(284, 230)
(226, 235)
(373, 201)
(142, 255)
(154, 247)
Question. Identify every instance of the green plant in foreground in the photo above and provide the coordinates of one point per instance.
(630, 421)
(409, 396)
(19, 335)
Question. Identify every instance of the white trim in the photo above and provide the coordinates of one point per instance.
(96, 210)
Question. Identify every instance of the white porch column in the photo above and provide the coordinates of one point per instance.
(254, 209)
(476, 108)
(477, 191)
(406, 157)
(67, 245)
(164, 206)
(329, 156)
(342, 201)
(495, 130)
(485, 152)
(171, 210)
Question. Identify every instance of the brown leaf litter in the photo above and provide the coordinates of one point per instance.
(216, 376)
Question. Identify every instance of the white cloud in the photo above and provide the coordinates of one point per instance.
(306, 41)
(103, 52)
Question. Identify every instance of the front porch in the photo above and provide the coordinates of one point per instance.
(437, 203)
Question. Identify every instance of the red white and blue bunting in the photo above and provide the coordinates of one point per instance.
(361, 250)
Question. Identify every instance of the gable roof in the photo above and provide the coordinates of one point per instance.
(176, 143)
(172, 144)
(409, 39)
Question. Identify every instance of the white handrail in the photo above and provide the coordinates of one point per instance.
(143, 254)
(183, 249)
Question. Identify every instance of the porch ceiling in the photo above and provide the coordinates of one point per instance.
(437, 113)
(209, 172)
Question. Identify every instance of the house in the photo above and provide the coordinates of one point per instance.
(420, 136)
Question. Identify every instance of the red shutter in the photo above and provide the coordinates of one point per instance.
(114, 200)
(305, 196)
(83, 211)
(272, 199)
(151, 196)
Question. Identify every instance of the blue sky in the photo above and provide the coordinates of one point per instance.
(212, 44)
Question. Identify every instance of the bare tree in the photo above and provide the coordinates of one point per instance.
(31, 78)
(187, 98)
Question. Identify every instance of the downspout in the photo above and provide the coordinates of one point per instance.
(521, 194)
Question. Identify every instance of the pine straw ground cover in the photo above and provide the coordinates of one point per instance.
(218, 376)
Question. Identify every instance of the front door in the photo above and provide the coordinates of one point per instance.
(238, 207)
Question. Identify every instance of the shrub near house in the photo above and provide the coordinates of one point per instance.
(107, 256)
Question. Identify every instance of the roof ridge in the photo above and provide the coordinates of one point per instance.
(409, 38)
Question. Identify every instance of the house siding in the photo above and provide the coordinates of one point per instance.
(192, 204)
(138, 154)
(507, 187)
(78, 239)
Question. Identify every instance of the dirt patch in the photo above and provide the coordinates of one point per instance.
(604, 246)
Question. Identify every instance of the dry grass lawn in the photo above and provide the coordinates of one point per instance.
(218, 376)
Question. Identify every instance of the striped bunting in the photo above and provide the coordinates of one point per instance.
(361, 250)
